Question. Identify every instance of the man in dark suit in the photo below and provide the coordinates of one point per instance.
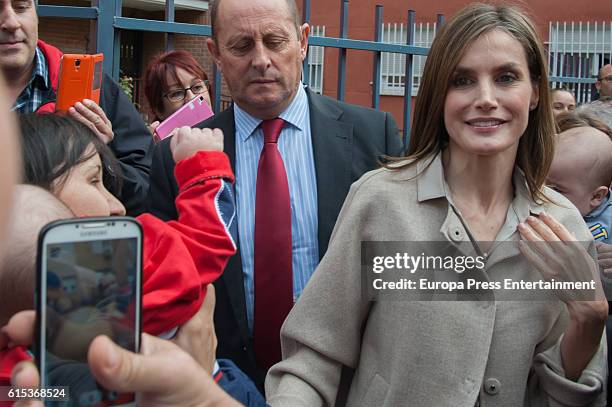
(324, 147)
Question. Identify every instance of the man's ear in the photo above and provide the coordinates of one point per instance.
(304, 33)
(598, 85)
(213, 49)
(598, 196)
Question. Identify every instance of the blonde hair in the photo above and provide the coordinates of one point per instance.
(429, 135)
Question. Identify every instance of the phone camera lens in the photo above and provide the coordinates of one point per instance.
(77, 62)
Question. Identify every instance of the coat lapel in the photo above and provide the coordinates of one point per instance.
(232, 275)
(332, 142)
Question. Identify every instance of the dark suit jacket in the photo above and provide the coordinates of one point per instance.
(347, 141)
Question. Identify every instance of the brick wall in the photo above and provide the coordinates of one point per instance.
(69, 35)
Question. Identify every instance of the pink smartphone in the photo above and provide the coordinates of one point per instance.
(190, 114)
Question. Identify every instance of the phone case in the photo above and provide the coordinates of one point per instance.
(190, 114)
(80, 78)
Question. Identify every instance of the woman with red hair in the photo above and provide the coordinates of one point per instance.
(171, 80)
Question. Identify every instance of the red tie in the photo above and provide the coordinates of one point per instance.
(273, 271)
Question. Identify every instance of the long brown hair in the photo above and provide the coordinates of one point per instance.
(429, 135)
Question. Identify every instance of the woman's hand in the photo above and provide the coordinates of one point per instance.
(555, 252)
(152, 128)
(604, 257)
(197, 337)
(90, 114)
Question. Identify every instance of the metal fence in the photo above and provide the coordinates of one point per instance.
(397, 52)
(576, 52)
(393, 69)
(110, 23)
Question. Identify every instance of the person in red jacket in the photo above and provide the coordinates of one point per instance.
(31, 69)
(179, 257)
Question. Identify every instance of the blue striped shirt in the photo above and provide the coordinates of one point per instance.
(31, 97)
(295, 148)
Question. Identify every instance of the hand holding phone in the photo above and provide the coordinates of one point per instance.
(144, 373)
(88, 284)
(90, 114)
(190, 114)
(80, 78)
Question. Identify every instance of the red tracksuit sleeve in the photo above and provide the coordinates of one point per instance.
(181, 257)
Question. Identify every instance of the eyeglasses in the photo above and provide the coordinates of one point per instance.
(179, 95)
(606, 78)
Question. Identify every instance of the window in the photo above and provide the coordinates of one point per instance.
(579, 50)
(393, 66)
(315, 61)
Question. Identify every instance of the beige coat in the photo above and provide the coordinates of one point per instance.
(417, 353)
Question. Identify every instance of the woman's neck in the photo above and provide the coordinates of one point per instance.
(481, 180)
(481, 188)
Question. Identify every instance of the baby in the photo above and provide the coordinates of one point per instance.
(582, 170)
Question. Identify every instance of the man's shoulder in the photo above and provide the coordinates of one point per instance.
(221, 119)
(49, 51)
(52, 56)
(327, 103)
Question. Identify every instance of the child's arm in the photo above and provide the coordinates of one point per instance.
(181, 257)
(205, 203)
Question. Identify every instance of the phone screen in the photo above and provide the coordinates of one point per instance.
(91, 290)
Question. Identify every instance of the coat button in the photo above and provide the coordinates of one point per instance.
(492, 386)
(456, 234)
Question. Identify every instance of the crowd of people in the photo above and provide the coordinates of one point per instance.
(254, 221)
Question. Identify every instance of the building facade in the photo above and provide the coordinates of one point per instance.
(578, 36)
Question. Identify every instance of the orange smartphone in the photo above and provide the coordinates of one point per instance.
(80, 78)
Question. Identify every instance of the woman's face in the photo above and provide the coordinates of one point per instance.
(84, 193)
(562, 102)
(186, 80)
(487, 104)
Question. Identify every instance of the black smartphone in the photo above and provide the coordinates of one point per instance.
(88, 284)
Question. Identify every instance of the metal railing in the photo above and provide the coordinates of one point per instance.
(107, 14)
(109, 22)
(577, 50)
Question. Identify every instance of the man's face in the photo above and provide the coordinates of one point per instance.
(260, 54)
(604, 83)
(18, 34)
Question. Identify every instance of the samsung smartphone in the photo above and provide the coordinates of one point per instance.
(80, 78)
(190, 114)
(89, 284)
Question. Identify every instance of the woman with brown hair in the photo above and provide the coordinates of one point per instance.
(473, 179)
